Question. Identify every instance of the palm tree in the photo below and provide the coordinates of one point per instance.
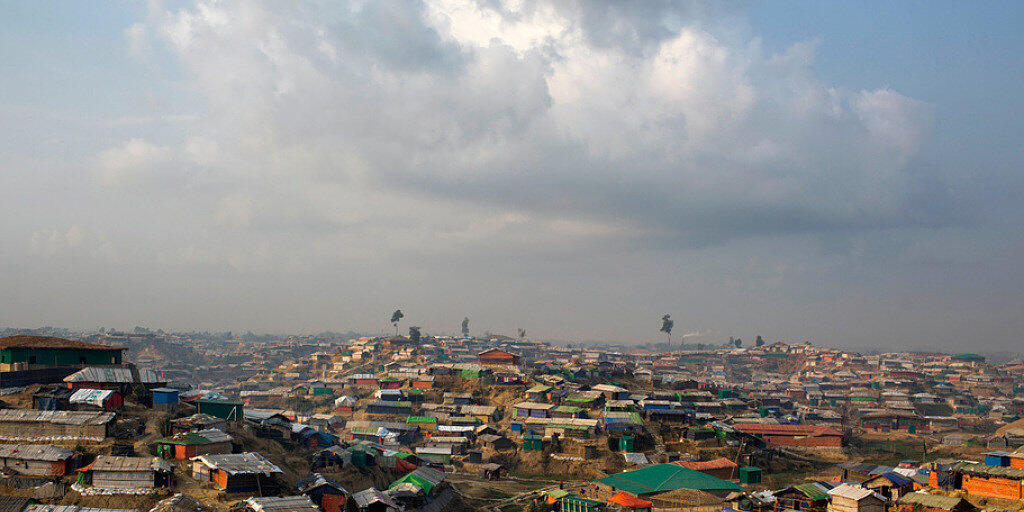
(666, 327)
(395, 318)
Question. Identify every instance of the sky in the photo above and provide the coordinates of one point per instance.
(846, 173)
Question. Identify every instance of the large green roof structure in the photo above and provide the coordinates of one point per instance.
(663, 478)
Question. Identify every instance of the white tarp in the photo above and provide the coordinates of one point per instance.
(97, 397)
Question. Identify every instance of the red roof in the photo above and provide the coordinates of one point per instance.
(629, 501)
(786, 430)
(50, 342)
(496, 353)
(719, 463)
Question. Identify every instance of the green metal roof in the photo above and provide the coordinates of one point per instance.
(813, 490)
(968, 357)
(568, 408)
(581, 399)
(421, 419)
(665, 477)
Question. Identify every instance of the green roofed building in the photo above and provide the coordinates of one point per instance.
(660, 478)
(968, 358)
(417, 480)
(572, 503)
(32, 352)
(227, 409)
(429, 422)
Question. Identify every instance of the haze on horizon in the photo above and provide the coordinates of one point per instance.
(845, 173)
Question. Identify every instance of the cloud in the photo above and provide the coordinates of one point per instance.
(49, 242)
(665, 118)
(73, 240)
(131, 160)
(235, 210)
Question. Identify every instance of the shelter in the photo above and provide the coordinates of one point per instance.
(327, 494)
(491, 471)
(991, 481)
(539, 392)
(852, 498)
(373, 500)
(118, 378)
(35, 459)
(165, 398)
(344, 403)
(660, 478)
(14, 504)
(890, 485)
(794, 436)
(497, 357)
(532, 409)
(52, 398)
(924, 502)
(806, 496)
(112, 472)
(190, 444)
(96, 399)
(73, 508)
(26, 425)
(30, 352)
(237, 472)
(231, 410)
(179, 503)
(198, 422)
(388, 407)
(279, 504)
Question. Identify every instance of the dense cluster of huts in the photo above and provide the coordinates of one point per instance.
(418, 411)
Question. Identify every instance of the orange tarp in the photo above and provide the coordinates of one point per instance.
(629, 501)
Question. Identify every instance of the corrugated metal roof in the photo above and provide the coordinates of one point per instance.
(533, 405)
(35, 452)
(119, 375)
(372, 495)
(74, 508)
(281, 504)
(854, 492)
(179, 503)
(665, 477)
(233, 463)
(57, 417)
(117, 463)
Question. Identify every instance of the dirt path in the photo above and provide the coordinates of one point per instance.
(476, 489)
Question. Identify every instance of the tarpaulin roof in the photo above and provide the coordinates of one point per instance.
(95, 397)
(629, 501)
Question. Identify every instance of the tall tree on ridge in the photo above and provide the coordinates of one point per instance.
(666, 327)
(395, 318)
